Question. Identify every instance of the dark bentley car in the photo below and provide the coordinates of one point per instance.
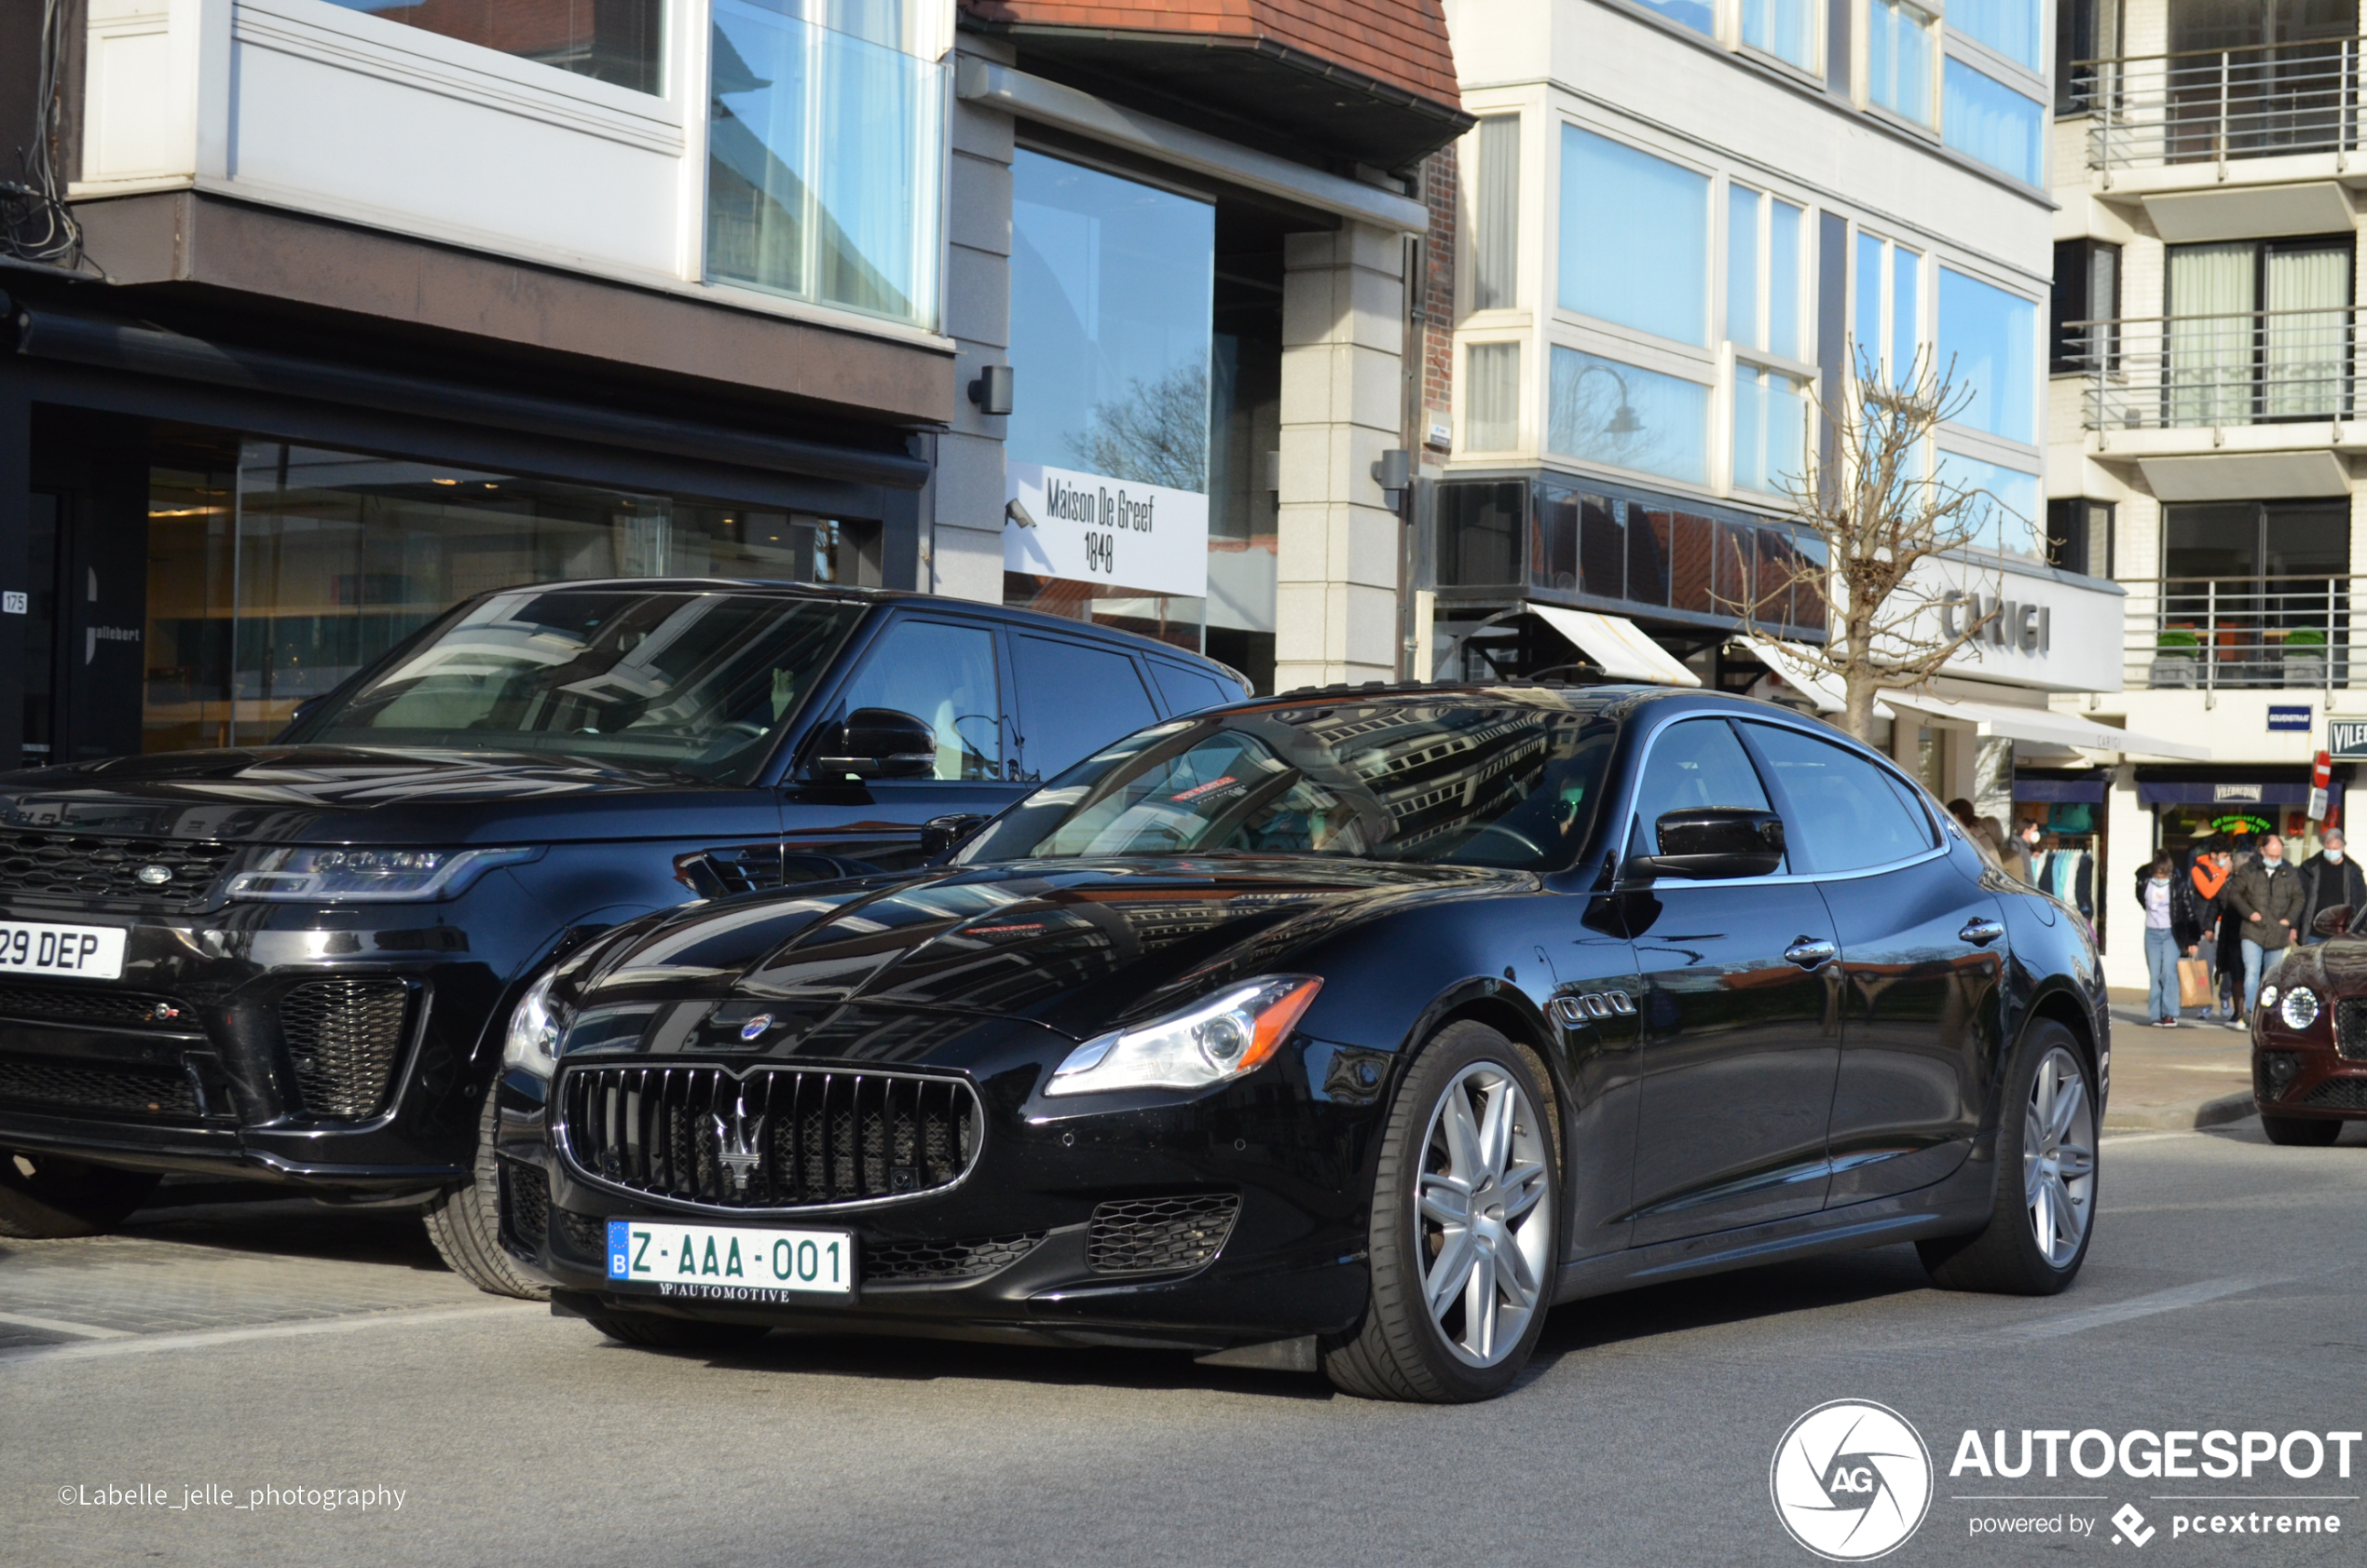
(294, 961)
(2310, 1035)
(1350, 1028)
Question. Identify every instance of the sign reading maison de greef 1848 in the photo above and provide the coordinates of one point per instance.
(1091, 528)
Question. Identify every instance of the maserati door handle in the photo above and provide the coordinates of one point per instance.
(1809, 951)
(1981, 932)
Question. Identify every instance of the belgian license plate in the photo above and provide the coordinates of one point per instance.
(730, 1263)
(91, 952)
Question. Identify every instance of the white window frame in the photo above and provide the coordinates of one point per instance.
(1862, 66)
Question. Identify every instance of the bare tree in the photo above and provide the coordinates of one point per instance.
(1154, 434)
(1879, 516)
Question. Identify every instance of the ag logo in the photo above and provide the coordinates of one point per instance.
(1850, 1480)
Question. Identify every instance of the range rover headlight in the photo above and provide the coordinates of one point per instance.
(339, 875)
(1225, 1036)
(2300, 1008)
(532, 1041)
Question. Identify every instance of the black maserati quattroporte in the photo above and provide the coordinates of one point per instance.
(1350, 1028)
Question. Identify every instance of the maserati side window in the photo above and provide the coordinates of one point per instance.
(942, 674)
(1844, 809)
(1694, 764)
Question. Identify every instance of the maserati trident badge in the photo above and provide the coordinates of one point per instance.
(739, 1145)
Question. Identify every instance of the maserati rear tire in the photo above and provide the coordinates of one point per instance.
(45, 1196)
(1462, 1238)
(2045, 1212)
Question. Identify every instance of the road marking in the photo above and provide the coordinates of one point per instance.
(2116, 1139)
(135, 1344)
(2144, 1307)
(60, 1326)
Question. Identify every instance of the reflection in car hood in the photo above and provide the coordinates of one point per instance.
(1074, 945)
(349, 794)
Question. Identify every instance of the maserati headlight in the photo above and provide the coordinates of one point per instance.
(2300, 1009)
(532, 1042)
(1225, 1036)
(351, 875)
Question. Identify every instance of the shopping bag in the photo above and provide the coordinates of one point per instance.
(2194, 983)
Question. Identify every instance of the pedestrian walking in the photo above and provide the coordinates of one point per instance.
(2172, 927)
(2328, 878)
(2266, 897)
(2022, 852)
(2209, 877)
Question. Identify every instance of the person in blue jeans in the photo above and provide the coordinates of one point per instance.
(2266, 897)
(2172, 925)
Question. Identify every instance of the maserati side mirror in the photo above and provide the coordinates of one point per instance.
(1713, 844)
(944, 835)
(872, 744)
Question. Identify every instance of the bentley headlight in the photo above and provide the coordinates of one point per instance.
(359, 876)
(532, 1042)
(2300, 1009)
(1233, 1032)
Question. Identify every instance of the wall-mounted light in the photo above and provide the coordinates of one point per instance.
(1395, 475)
(991, 389)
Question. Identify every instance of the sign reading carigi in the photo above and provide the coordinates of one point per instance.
(1087, 527)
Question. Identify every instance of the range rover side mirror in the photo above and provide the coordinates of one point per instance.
(872, 744)
(2331, 922)
(1713, 844)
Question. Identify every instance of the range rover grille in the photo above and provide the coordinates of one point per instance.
(63, 867)
(344, 1040)
(108, 1009)
(144, 1093)
(770, 1138)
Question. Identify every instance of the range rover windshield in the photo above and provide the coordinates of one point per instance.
(1467, 783)
(689, 683)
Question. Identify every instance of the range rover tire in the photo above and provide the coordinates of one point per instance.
(2043, 1217)
(2301, 1132)
(47, 1196)
(650, 1331)
(465, 1224)
(1464, 1214)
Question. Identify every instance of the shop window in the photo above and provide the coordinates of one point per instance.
(619, 41)
(1654, 275)
(2011, 27)
(1900, 50)
(1605, 411)
(1496, 214)
(277, 576)
(1479, 533)
(1983, 118)
(1786, 29)
(824, 146)
(1991, 339)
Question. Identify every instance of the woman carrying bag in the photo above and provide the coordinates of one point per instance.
(2171, 925)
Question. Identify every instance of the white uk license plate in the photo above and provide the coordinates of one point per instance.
(88, 952)
(730, 1262)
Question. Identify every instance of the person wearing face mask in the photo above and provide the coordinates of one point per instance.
(2330, 877)
(2266, 899)
(2171, 926)
(2021, 852)
(2208, 878)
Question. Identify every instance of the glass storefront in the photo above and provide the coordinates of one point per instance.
(1122, 386)
(277, 571)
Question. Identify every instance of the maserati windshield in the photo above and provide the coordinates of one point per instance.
(1460, 783)
(697, 684)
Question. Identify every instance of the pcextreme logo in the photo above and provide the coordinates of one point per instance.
(1851, 1480)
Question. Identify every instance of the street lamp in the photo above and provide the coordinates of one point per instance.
(1625, 421)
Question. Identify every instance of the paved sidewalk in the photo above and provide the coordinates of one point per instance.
(2197, 1076)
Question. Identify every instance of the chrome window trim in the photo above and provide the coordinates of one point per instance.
(1943, 824)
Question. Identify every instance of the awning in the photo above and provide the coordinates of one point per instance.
(1618, 644)
(2043, 724)
(1801, 674)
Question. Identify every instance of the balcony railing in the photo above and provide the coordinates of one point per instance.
(2258, 367)
(2208, 106)
(2215, 633)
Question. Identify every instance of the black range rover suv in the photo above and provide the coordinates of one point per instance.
(294, 961)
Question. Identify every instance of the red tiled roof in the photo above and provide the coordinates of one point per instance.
(1402, 43)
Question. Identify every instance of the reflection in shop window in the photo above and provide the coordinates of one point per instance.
(274, 578)
(1606, 412)
(619, 41)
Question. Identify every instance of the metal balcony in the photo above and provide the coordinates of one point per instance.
(2258, 367)
(2221, 633)
(2210, 106)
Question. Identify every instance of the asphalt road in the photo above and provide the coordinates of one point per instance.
(290, 1346)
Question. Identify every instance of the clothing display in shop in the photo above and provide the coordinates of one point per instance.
(2069, 875)
(2072, 816)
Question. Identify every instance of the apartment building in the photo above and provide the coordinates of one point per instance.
(2202, 436)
